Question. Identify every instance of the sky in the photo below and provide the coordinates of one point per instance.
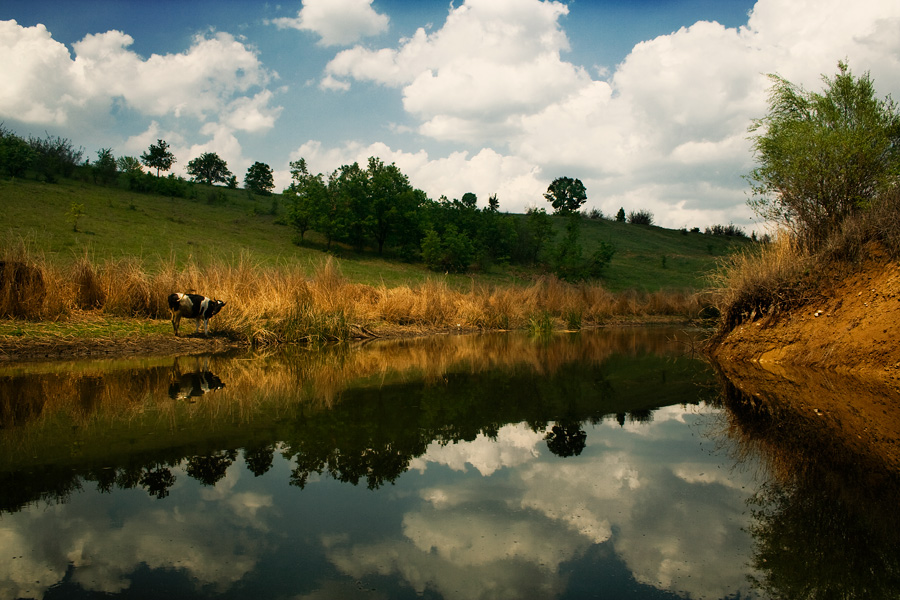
(647, 102)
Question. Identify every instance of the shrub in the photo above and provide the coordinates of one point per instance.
(730, 230)
(641, 217)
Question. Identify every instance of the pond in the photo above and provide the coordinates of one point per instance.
(601, 464)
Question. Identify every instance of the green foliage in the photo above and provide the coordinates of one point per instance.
(105, 167)
(16, 155)
(209, 168)
(569, 261)
(532, 236)
(731, 230)
(821, 157)
(451, 252)
(259, 179)
(75, 212)
(620, 216)
(158, 157)
(54, 157)
(641, 217)
(566, 195)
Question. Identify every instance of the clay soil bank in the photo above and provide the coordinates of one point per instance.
(853, 326)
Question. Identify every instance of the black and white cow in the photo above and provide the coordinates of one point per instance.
(193, 306)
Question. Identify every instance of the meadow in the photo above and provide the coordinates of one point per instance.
(128, 251)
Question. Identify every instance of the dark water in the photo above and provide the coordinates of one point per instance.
(610, 464)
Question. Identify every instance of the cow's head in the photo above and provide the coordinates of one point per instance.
(213, 307)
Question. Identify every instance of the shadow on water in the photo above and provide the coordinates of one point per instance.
(357, 414)
(825, 519)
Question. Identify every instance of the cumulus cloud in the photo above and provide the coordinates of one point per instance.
(665, 130)
(338, 22)
(484, 173)
(515, 531)
(44, 84)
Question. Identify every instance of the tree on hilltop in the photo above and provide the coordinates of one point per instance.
(566, 195)
(209, 168)
(259, 179)
(158, 157)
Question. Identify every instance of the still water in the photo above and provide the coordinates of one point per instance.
(608, 464)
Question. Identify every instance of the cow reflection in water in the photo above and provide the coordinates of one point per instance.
(193, 384)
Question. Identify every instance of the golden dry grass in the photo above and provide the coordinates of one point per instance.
(267, 305)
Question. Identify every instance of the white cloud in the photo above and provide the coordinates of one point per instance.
(665, 131)
(517, 182)
(44, 84)
(338, 22)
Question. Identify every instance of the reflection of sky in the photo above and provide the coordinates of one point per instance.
(485, 519)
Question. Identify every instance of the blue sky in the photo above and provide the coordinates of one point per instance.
(647, 101)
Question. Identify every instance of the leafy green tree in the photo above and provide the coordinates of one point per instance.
(54, 157)
(451, 252)
(105, 167)
(395, 206)
(75, 212)
(259, 179)
(823, 156)
(306, 196)
(351, 190)
(158, 157)
(620, 216)
(129, 165)
(534, 235)
(566, 195)
(570, 263)
(16, 154)
(493, 203)
(209, 168)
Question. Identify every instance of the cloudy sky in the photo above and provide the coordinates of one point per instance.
(646, 101)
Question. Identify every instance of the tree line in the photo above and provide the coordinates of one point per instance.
(378, 207)
(374, 206)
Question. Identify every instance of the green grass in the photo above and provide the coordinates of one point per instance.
(160, 230)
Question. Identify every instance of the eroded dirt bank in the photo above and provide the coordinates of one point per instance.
(853, 326)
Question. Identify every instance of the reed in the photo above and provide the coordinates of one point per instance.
(276, 304)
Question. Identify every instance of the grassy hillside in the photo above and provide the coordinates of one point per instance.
(224, 225)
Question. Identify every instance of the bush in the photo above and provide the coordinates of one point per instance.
(823, 157)
(641, 217)
(729, 230)
(54, 157)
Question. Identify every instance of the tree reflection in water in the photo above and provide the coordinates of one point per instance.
(826, 523)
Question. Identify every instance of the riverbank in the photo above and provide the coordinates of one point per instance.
(99, 336)
(849, 325)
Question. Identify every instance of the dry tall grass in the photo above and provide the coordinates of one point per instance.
(267, 305)
(761, 281)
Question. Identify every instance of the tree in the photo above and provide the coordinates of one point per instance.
(208, 168)
(129, 165)
(54, 157)
(306, 196)
(75, 212)
(105, 168)
(16, 155)
(259, 179)
(493, 203)
(566, 195)
(823, 156)
(620, 216)
(158, 157)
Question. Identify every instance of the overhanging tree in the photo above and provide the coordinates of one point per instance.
(822, 157)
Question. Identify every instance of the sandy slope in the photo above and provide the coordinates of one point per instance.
(853, 328)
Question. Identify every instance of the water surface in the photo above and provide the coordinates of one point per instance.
(600, 464)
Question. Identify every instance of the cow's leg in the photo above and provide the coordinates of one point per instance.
(206, 327)
(198, 323)
(176, 320)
